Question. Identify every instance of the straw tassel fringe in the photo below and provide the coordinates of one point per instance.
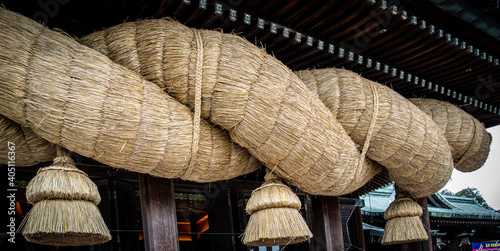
(403, 222)
(65, 209)
(275, 218)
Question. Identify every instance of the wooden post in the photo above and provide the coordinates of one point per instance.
(105, 208)
(194, 230)
(360, 237)
(221, 219)
(124, 212)
(158, 213)
(327, 224)
(427, 244)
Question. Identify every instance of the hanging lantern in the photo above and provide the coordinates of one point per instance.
(464, 238)
(464, 241)
(439, 242)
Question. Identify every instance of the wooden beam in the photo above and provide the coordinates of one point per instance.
(327, 224)
(158, 213)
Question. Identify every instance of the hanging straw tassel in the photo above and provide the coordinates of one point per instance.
(275, 218)
(64, 211)
(403, 221)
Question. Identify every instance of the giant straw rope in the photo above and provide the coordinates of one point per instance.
(76, 97)
(465, 134)
(30, 149)
(405, 140)
(223, 78)
(265, 107)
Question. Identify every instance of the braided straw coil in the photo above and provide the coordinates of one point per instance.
(29, 148)
(404, 139)
(76, 97)
(265, 107)
(465, 134)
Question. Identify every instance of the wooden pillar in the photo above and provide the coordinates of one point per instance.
(427, 244)
(221, 218)
(106, 212)
(360, 237)
(194, 230)
(158, 213)
(327, 224)
(125, 213)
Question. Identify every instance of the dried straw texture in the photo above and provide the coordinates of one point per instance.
(64, 211)
(273, 193)
(30, 149)
(403, 222)
(76, 97)
(465, 134)
(275, 218)
(404, 139)
(65, 223)
(62, 180)
(282, 226)
(266, 108)
(403, 230)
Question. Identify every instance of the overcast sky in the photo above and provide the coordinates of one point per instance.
(487, 178)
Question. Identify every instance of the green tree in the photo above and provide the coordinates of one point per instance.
(447, 192)
(469, 192)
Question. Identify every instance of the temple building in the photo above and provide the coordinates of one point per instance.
(455, 221)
